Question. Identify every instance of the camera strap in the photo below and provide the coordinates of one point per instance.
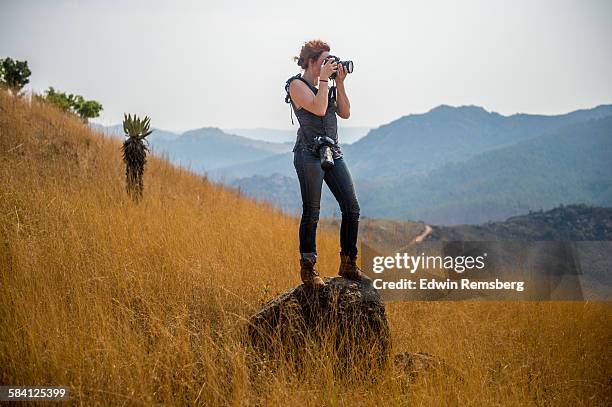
(332, 90)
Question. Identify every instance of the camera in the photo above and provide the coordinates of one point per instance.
(348, 65)
(324, 144)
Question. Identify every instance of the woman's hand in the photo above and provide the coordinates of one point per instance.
(328, 68)
(342, 72)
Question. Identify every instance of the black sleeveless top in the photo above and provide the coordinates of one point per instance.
(312, 125)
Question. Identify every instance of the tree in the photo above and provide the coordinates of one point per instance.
(14, 74)
(135, 153)
(59, 99)
(85, 109)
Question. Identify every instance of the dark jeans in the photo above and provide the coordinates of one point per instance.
(339, 181)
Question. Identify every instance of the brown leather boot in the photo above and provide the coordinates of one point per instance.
(350, 270)
(309, 275)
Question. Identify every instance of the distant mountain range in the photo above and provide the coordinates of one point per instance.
(451, 165)
(116, 130)
(347, 135)
(209, 149)
(572, 164)
(457, 165)
(563, 223)
(418, 143)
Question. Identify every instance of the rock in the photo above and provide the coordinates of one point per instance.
(347, 315)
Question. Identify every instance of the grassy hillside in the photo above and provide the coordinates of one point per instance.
(142, 304)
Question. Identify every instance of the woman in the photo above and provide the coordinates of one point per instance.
(316, 110)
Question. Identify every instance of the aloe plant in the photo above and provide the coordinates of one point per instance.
(135, 153)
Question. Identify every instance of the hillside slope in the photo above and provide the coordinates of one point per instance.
(77, 256)
(144, 304)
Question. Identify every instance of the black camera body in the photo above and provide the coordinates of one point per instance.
(348, 65)
(324, 144)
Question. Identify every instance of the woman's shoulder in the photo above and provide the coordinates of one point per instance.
(298, 83)
(289, 86)
(301, 83)
(299, 88)
(290, 82)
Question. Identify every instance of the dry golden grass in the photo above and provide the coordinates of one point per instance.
(145, 304)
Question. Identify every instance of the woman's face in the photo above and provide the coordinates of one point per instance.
(315, 67)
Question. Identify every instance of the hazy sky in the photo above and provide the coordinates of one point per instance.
(224, 63)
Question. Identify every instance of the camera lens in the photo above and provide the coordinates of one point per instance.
(349, 66)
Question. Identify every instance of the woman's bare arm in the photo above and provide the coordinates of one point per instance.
(344, 106)
(302, 96)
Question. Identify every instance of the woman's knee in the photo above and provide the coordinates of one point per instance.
(310, 213)
(351, 210)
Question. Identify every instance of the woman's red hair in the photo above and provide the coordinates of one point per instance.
(311, 50)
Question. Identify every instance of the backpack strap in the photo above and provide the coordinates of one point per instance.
(288, 96)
